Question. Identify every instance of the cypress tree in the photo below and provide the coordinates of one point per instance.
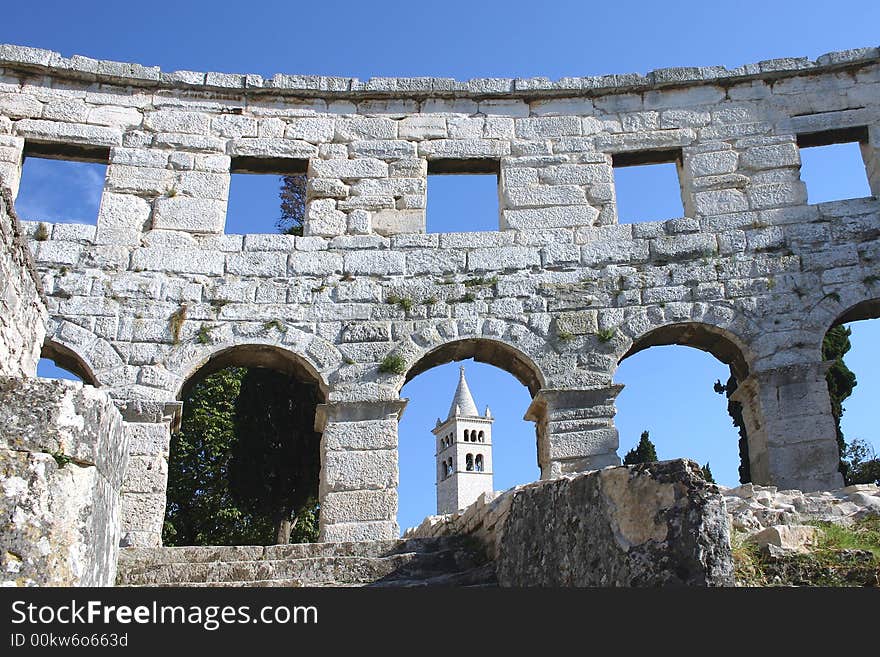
(644, 452)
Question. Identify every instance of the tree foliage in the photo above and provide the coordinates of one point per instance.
(274, 465)
(735, 410)
(707, 473)
(841, 381)
(293, 204)
(644, 452)
(205, 507)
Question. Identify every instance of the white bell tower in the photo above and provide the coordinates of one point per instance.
(464, 452)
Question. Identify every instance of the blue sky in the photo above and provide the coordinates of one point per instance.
(475, 39)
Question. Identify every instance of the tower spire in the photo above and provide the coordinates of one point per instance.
(463, 401)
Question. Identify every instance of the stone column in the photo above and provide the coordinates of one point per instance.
(359, 473)
(575, 429)
(148, 426)
(871, 156)
(792, 435)
(11, 156)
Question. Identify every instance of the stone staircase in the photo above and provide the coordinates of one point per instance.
(445, 561)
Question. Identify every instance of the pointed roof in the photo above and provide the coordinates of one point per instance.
(463, 402)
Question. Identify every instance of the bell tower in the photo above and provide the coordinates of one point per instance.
(464, 452)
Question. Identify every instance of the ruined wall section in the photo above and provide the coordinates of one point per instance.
(156, 288)
(23, 312)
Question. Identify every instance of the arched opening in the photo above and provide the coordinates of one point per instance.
(244, 465)
(500, 378)
(850, 344)
(60, 362)
(478, 463)
(670, 393)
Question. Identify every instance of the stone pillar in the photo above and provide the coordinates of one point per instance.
(871, 156)
(148, 426)
(11, 156)
(575, 429)
(359, 474)
(63, 456)
(792, 435)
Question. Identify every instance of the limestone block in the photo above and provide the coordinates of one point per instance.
(387, 149)
(319, 263)
(684, 246)
(539, 196)
(322, 218)
(359, 470)
(722, 201)
(548, 127)
(380, 530)
(76, 133)
(271, 264)
(362, 127)
(265, 147)
(178, 260)
(576, 174)
(776, 195)
(771, 157)
(201, 184)
(311, 129)
(359, 223)
(789, 538)
(194, 123)
(327, 188)
(711, 164)
(194, 215)
(359, 506)
(552, 217)
(508, 257)
(581, 322)
(348, 169)
(393, 222)
(380, 263)
(439, 261)
(642, 521)
(20, 106)
(423, 127)
(436, 149)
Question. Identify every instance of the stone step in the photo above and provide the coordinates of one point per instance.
(230, 553)
(342, 569)
(479, 577)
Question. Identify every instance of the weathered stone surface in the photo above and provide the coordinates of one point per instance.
(62, 459)
(656, 524)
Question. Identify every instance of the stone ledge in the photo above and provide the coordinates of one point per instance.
(17, 57)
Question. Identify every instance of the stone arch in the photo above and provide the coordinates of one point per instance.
(70, 360)
(483, 350)
(212, 358)
(724, 344)
(849, 304)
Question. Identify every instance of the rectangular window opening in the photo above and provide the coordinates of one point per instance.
(462, 196)
(833, 164)
(648, 186)
(266, 195)
(62, 183)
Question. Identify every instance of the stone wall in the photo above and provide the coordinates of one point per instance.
(558, 296)
(657, 524)
(22, 310)
(63, 455)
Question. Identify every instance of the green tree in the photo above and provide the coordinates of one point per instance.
(707, 473)
(202, 507)
(841, 381)
(293, 204)
(735, 410)
(275, 462)
(863, 465)
(644, 452)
